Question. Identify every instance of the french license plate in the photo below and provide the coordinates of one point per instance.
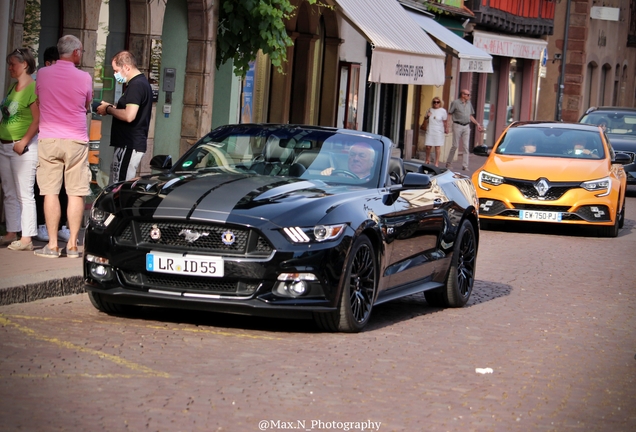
(541, 216)
(188, 265)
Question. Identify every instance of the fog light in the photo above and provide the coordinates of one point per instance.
(298, 288)
(294, 284)
(291, 289)
(101, 272)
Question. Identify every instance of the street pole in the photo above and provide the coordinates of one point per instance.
(559, 108)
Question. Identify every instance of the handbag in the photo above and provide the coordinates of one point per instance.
(424, 125)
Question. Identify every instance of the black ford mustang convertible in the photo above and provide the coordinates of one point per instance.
(283, 220)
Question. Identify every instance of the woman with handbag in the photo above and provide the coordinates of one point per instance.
(435, 127)
(19, 151)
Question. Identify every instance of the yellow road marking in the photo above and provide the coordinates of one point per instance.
(154, 327)
(113, 358)
(77, 375)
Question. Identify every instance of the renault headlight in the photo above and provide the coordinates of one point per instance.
(487, 178)
(598, 185)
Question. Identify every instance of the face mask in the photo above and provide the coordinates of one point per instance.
(120, 79)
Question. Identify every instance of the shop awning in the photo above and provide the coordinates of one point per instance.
(398, 56)
(509, 46)
(471, 58)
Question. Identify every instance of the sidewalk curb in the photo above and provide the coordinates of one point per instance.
(42, 290)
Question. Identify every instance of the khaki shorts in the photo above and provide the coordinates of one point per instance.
(63, 158)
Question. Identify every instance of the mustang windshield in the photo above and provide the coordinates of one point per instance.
(307, 154)
(613, 123)
(567, 143)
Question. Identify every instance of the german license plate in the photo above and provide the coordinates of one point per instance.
(188, 265)
(540, 216)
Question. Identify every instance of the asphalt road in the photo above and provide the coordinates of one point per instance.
(553, 314)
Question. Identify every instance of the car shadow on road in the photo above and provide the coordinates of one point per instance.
(225, 321)
(383, 315)
(413, 306)
(555, 228)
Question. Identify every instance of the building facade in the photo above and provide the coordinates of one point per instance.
(593, 61)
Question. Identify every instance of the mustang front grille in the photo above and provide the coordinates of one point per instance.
(188, 284)
(219, 239)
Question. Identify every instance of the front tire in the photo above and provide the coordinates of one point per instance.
(461, 274)
(611, 231)
(358, 291)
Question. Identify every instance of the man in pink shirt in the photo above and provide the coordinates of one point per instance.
(64, 95)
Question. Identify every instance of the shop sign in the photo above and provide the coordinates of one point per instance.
(605, 13)
(509, 47)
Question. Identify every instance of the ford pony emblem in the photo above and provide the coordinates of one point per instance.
(192, 236)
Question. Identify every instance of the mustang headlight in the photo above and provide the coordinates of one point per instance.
(598, 185)
(487, 178)
(100, 217)
(319, 233)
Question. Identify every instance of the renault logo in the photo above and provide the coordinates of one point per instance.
(542, 186)
(192, 236)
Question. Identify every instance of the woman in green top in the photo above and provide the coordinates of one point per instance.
(19, 151)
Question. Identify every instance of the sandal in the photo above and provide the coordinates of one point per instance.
(19, 246)
(47, 252)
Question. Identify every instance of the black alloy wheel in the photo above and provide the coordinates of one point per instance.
(358, 291)
(461, 274)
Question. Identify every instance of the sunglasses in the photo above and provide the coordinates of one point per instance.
(436, 102)
(466, 94)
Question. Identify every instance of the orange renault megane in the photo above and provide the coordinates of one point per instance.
(553, 172)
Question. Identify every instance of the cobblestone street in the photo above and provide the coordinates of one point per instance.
(554, 320)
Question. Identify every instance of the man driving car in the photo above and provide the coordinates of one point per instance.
(360, 161)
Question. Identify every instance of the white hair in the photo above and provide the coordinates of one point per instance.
(67, 44)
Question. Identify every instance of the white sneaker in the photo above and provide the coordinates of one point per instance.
(64, 234)
(43, 234)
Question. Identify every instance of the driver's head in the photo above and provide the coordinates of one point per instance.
(579, 144)
(361, 158)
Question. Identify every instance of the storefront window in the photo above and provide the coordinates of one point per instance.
(515, 83)
(490, 105)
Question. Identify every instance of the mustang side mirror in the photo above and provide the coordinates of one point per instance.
(416, 181)
(481, 150)
(161, 162)
(622, 158)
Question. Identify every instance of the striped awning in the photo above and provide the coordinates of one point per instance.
(402, 53)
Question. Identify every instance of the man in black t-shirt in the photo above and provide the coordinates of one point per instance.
(131, 118)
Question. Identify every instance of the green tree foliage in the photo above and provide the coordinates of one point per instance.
(247, 26)
(31, 34)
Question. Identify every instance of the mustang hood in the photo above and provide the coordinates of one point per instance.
(554, 169)
(623, 142)
(240, 198)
